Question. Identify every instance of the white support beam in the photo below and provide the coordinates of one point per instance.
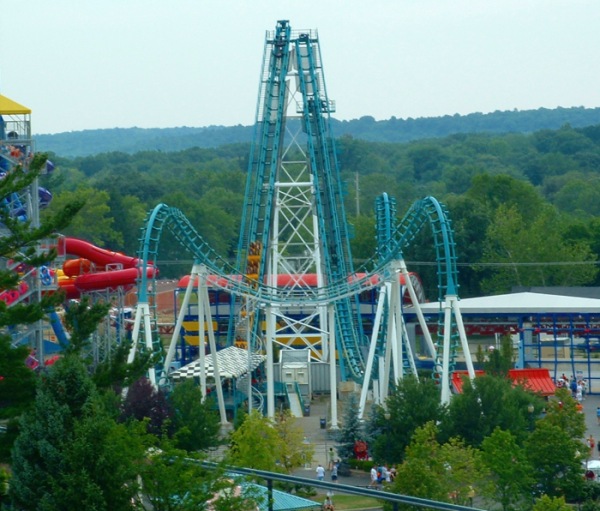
(332, 367)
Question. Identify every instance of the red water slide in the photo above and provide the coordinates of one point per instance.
(99, 256)
(125, 274)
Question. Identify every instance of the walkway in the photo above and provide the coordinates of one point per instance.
(295, 406)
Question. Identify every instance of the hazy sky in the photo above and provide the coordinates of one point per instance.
(85, 64)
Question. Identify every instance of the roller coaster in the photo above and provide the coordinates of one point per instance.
(294, 223)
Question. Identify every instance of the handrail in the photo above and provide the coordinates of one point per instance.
(300, 398)
(393, 498)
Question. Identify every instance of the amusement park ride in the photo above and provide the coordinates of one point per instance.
(293, 284)
(80, 268)
(294, 225)
(293, 288)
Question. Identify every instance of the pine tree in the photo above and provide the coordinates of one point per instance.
(20, 242)
(70, 454)
(351, 431)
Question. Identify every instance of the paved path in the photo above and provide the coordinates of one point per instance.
(589, 409)
(323, 439)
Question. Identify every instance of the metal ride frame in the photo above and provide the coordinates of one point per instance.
(16, 153)
(294, 223)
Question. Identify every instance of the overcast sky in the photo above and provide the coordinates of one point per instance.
(86, 64)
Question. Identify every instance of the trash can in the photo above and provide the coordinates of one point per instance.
(323, 422)
(306, 410)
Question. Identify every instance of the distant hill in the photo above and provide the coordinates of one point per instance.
(132, 140)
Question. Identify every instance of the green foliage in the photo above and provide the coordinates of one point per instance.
(115, 373)
(419, 474)
(81, 320)
(412, 403)
(562, 412)
(255, 444)
(174, 480)
(21, 243)
(557, 471)
(511, 482)
(157, 141)
(500, 361)
(546, 503)
(195, 421)
(351, 431)
(513, 198)
(70, 454)
(94, 218)
(513, 241)
(464, 470)
(448, 473)
(293, 451)
(486, 403)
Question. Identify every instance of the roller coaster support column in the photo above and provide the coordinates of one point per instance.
(270, 318)
(415, 301)
(451, 307)
(393, 347)
(444, 381)
(142, 311)
(332, 367)
(179, 323)
(372, 350)
(403, 342)
(204, 318)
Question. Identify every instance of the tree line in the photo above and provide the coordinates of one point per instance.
(523, 206)
(133, 140)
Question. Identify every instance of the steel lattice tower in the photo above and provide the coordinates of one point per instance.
(294, 221)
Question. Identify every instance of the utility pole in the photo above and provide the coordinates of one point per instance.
(357, 194)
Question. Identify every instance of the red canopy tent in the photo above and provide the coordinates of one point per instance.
(536, 380)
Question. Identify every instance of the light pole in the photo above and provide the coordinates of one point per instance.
(387, 415)
(530, 410)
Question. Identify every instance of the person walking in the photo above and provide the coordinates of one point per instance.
(374, 482)
(320, 472)
(591, 443)
(471, 495)
(334, 473)
(331, 458)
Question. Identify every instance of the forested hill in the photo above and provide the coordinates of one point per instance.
(132, 140)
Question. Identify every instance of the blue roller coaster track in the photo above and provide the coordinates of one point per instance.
(294, 220)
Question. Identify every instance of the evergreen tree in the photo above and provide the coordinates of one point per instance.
(351, 431)
(20, 243)
(70, 454)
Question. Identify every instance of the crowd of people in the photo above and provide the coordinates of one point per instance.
(382, 474)
(577, 386)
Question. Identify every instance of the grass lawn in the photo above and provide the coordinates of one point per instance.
(347, 502)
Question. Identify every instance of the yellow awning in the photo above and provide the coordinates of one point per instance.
(10, 107)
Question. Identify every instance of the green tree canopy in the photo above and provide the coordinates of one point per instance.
(195, 421)
(510, 471)
(486, 403)
(412, 403)
(256, 444)
(70, 453)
